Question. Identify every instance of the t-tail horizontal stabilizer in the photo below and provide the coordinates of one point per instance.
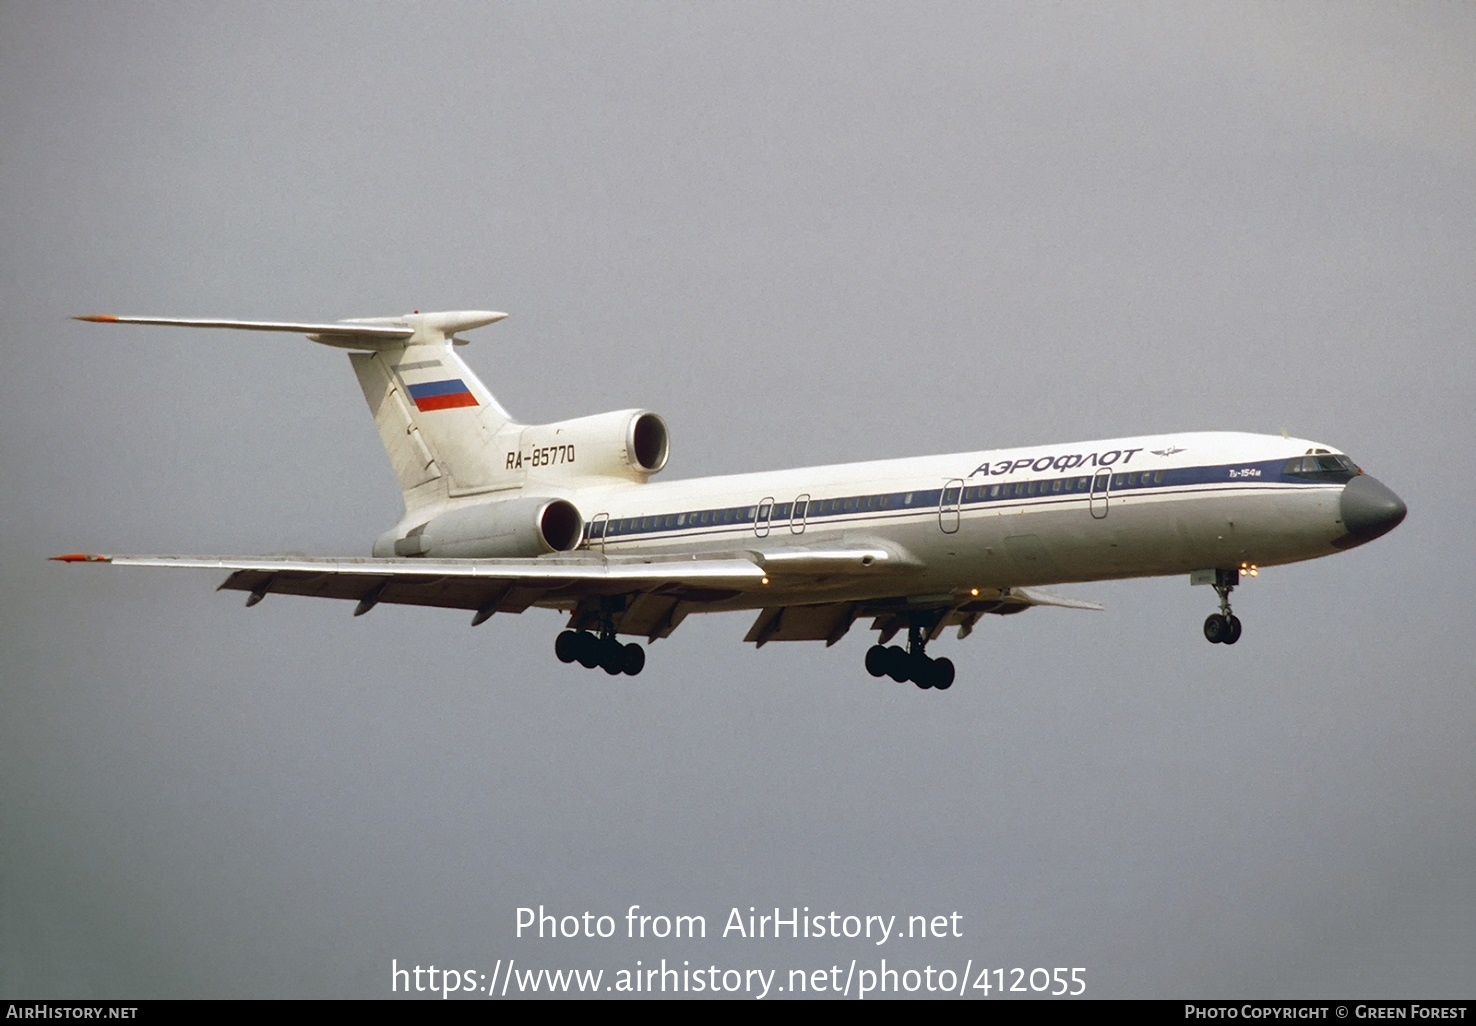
(366, 333)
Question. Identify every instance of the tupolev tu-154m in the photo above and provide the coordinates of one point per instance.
(500, 516)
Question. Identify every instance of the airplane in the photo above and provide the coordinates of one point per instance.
(501, 516)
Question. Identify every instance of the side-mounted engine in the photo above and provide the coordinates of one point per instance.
(506, 529)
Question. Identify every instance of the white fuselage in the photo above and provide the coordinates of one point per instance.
(1082, 511)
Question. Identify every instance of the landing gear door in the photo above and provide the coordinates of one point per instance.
(1101, 485)
(949, 503)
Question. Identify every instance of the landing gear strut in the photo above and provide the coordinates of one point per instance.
(1223, 628)
(910, 663)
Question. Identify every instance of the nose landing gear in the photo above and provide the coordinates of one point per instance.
(1223, 628)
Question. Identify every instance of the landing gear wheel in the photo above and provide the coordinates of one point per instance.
(566, 646)
(635, 659)
(587, 652)
(876, 660)
(612, 656)
(1216, 629)
(1232, 634)
(921, 670)
(943, 673)
(897, 664)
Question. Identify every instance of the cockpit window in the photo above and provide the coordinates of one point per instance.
(1322, 468)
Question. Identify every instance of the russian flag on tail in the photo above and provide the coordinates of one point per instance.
(441, 395)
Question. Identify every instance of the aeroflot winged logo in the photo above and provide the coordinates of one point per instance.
(441, 395)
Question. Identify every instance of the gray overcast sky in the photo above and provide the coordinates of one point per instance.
(802, 233)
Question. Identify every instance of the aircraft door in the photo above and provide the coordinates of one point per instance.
(1101, 485)
(597, 528)
(949, 503)
(799, 512)
(763, 516)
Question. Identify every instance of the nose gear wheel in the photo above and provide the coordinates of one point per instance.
(1223, 628)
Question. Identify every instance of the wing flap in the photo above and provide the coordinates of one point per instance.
(828, 623)
(1037, 597)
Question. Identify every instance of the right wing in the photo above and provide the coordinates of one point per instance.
(643, 595)
(485, 585)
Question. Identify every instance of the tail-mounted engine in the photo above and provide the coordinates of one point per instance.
(627, 445)
(509, 529)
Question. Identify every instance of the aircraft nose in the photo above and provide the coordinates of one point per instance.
(1369, 509)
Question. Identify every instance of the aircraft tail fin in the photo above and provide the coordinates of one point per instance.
(436, 419)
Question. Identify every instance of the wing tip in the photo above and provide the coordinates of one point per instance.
(98, 318)
(81, 557)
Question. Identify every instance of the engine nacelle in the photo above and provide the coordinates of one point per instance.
(512, 528)
(627, 445)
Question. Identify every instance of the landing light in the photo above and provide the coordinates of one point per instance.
(974, 592)
(764, 581)
(1250, 570)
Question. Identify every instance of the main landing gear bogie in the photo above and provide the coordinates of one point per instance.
(910, 663)
(591, 650)
(896, 662)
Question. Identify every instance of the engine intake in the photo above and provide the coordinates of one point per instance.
(647, 442)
